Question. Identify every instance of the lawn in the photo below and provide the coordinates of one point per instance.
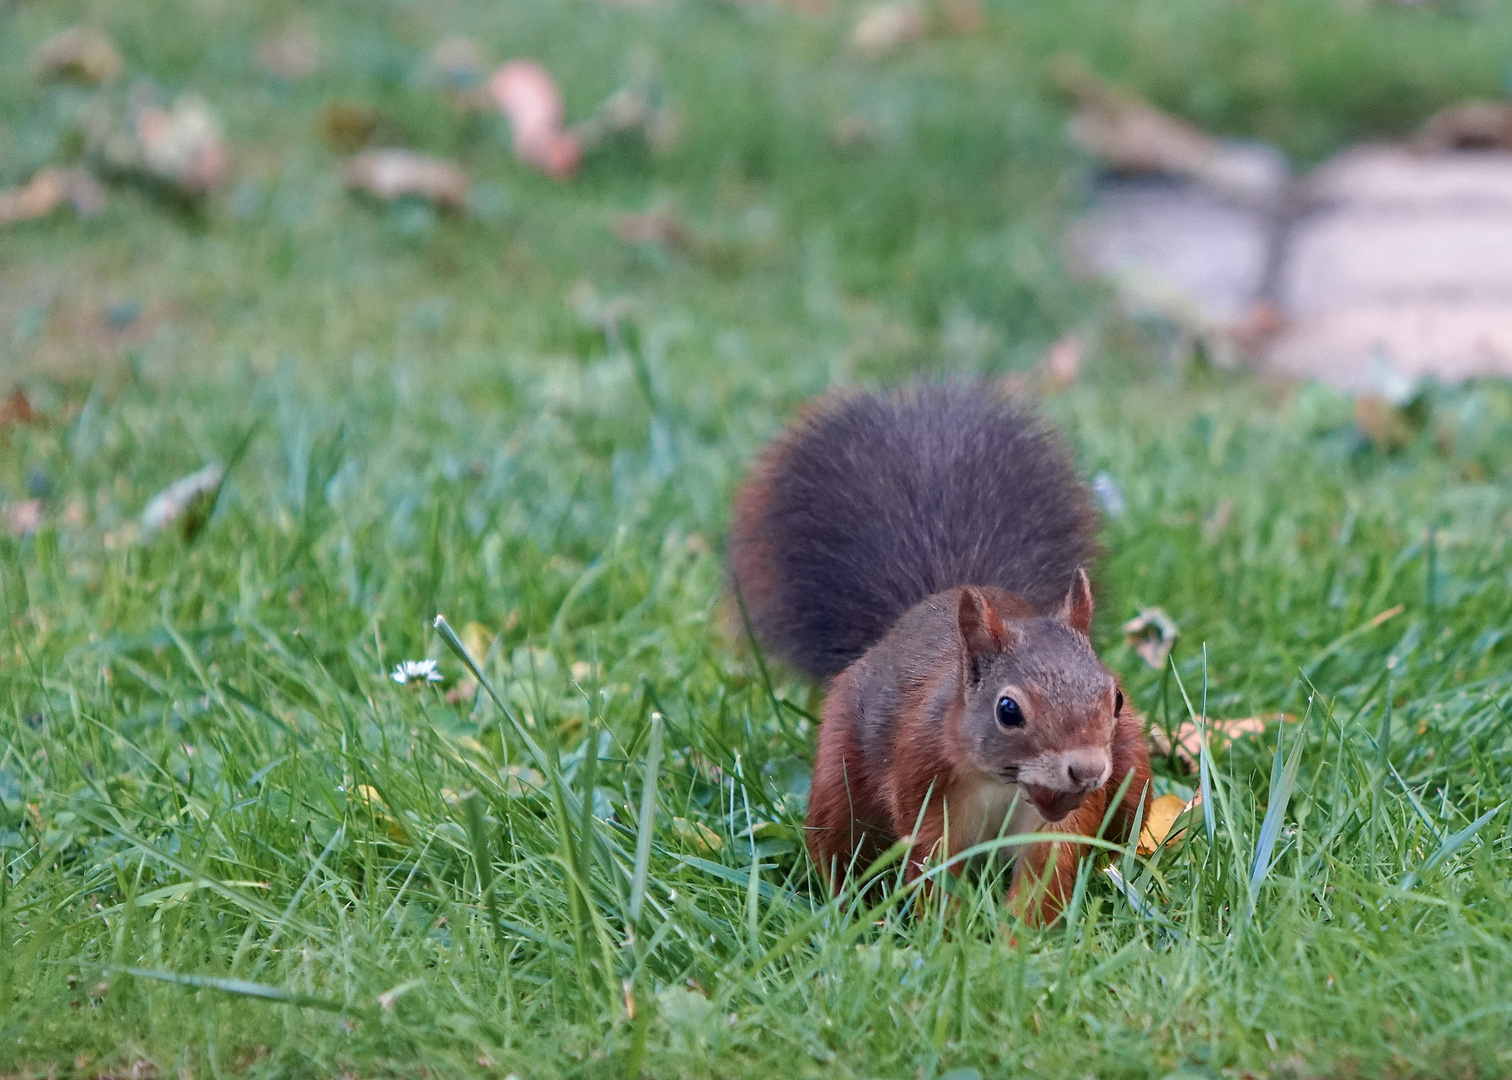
(232, 845)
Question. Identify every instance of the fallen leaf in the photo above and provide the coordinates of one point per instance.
(80, 53)
(48, 190)
(655, 227)
(528, 96)
(1187, 746)
(17, 409)
(697, 835)
(1133, 136)
(1390, 427)
(185, 499)
(1159, 818)
(477, 639)
(1062, 363)
(347, 126)
(887, 26)
(392, 174)
(182, 145)
(1152, 633)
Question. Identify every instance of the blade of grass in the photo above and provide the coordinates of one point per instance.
(646, 822)
(236, 987)
(1450, 845)
(1283, 781)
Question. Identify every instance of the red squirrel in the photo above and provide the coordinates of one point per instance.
(923, 550)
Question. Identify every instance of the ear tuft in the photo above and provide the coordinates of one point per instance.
(1076, 609)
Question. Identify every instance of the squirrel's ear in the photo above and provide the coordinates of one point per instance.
(982, 630)
(1076, 609)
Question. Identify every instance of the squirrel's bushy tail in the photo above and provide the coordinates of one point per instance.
(872, 502)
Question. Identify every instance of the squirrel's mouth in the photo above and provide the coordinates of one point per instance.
(1053, 805)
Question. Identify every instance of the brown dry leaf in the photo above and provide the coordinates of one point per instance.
(1152, 633)
(654, 227)
(80, 53)
(1159, 818)
(1133, 136)
(347, 126)
(392, 174)
(1471, 125)
(1188, 741)
(182, 145)
(477, 639)
(17, 409)
(526, 93)
(48, 190)
(887, 26)
(1390, 427)
(293, 54)
(23, 517)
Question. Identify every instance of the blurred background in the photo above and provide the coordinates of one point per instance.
(557, 269)
(833, 191)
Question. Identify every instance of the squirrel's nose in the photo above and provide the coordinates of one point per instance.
(1087, 771)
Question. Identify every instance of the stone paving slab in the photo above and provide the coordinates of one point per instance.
(1383, 262)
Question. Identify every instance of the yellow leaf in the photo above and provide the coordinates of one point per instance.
(1159, 818)
(476, 639)
(697, 834)
(522, 780)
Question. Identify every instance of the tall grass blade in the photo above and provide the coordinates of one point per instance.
(1204, 767)
(1450, 845)
(478, 834)
(645, 825)
(546, 764)
(238, 987)
(1283, 781)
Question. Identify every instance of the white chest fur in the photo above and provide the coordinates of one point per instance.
(984, 809)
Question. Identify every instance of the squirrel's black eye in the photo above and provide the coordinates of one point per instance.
(1117, 702)
(1008, 712)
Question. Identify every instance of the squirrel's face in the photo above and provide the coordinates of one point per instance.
(1039, 708)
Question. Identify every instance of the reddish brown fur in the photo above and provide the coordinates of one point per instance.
(857, 810)
(1039, 895)
(913, 547)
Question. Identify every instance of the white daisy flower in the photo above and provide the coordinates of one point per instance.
(418, 671)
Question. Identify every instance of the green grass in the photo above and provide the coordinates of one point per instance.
(233, 846)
